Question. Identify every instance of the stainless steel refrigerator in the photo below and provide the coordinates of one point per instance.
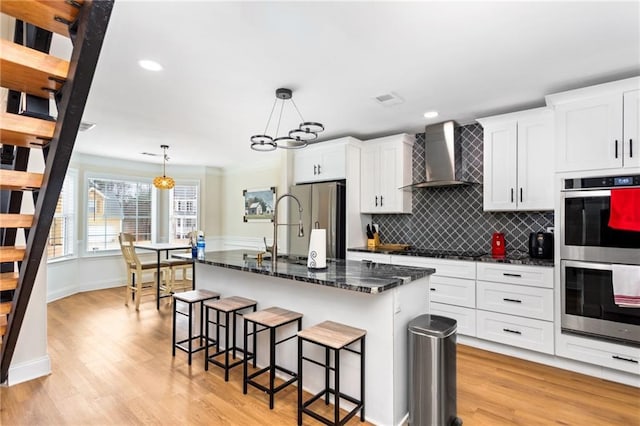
(323, 206)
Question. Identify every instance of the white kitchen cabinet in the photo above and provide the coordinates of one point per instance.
(319, 162)
(515, 305)
(385, 167)
(518, 165)
(465, 317)
(598, 352)
(368, 257)
(517, 331)
(597, 126)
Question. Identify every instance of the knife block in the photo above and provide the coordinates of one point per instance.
(373, 242)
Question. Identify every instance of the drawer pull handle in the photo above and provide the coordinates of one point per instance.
(432, 289)
(511, 275)
(511, 331)
(624, 359)
(506, 299)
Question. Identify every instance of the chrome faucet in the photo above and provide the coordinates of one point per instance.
(274, 247)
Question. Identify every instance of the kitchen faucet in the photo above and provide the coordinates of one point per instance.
(274, 247)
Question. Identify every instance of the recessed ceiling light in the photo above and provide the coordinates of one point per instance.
(150, 65)
(431, 114)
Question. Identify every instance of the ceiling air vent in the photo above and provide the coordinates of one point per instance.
(389, 99)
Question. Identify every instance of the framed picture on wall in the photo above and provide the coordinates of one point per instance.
(259, 204)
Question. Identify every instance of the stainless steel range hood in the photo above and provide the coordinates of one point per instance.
(443, 156)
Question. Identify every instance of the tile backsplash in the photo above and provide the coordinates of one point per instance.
(451, 218)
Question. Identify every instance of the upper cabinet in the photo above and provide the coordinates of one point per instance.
(385, 167)
(518, 161)
(319, 162)
(598, 127)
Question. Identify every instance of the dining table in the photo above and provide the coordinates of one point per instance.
(166, 248)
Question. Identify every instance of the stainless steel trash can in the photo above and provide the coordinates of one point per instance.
(432, 371)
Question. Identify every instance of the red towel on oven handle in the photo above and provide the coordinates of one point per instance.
(625, 209)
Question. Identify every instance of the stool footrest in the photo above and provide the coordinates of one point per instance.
(345, 419)
(313, 361)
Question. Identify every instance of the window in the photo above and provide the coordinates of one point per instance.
(184, 212)
(115, 206)
(61, 233)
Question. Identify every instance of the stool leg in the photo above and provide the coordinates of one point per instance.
(336, 382)
(245, 361)
(218, 331)
(326, 375)
(206, 348)
(300, 354)
(234, 317)
(272, 364)
(226, 342)
(173, 334)
(255, 345)
(362, 345)
(190, 331)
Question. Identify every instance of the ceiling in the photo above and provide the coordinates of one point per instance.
(223, 61)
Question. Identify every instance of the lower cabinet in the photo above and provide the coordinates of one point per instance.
(370, 257)
(465, 317)
(517, 331)
(599, 352)
(531, 302)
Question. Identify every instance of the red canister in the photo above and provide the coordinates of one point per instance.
(497, 245)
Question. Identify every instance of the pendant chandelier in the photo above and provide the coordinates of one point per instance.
(296, 138)
(164, 181)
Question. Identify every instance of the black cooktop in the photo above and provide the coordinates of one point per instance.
(443, 253)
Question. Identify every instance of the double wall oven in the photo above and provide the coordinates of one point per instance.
(593, 257)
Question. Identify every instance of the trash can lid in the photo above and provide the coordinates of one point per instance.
(433, 325)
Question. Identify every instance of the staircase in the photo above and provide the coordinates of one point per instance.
(32, 77)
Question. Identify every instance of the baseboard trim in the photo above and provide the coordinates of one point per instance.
(29, 370)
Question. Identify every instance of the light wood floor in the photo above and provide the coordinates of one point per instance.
(113, 365)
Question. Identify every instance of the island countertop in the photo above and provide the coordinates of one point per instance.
(365, 277)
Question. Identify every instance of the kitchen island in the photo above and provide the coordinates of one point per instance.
(379, 298)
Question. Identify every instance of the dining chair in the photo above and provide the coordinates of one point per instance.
(136, 268)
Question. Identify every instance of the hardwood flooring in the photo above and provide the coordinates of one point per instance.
(113, 365)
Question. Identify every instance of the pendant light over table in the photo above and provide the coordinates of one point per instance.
(164, 181)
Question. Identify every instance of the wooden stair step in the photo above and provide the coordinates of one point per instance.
(25, 131)
(42, 13)
(5, 308)
(9, 280)
(18, 181)
(13, 220)
(3, 326)
(28, 70)
(11, 254)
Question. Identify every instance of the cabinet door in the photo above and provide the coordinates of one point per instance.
(535, 162)
(589, 134)
(390, 171)
(500, 166)
(305, 165)
(631, 129)
(332, 162)
(369, 177)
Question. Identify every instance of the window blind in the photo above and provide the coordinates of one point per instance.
(62, 231)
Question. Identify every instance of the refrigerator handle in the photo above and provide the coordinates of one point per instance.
(331, 222)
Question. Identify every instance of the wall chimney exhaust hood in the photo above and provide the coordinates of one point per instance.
(443, 156)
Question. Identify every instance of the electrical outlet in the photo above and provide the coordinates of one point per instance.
(551, 229)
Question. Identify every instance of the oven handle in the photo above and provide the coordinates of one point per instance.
(569, 193)
(587, 265)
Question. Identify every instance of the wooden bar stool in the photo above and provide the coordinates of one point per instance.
(190, 298)
(230, 307)
(270, 319)
(332, 336)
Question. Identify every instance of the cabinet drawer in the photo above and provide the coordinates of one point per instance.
(525, 333)
(372, 257)
(605, 354)
(539, 276)
(532, 302)
(453, 291)
(443, 267)
(465, 317)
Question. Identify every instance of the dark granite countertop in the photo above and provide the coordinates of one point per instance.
(364, 277)
(515, 257)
